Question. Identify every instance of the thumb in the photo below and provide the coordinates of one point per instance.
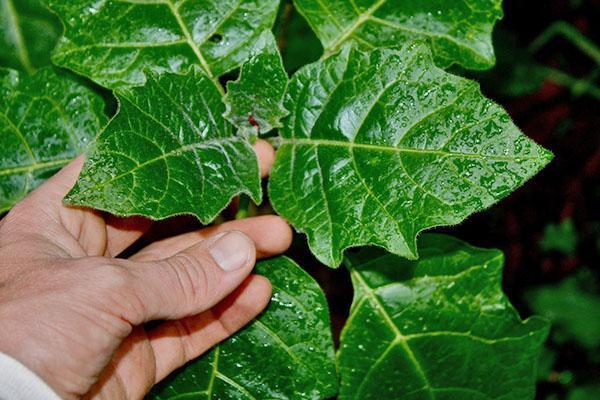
(193, 280)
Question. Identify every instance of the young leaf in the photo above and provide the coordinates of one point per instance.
(287, 353)
(46, 119)
(458, 31)
(113, 41)
(28, 32)
(383, 144)
(255, 101)
(168, 151)
(437, 328)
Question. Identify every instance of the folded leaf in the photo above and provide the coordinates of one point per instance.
(46, 119)
(168, 151)
(28, 32)
(113, 41)
(458, 31)
(383, 144)
(255, 101)
(287, 353)
(437, 328)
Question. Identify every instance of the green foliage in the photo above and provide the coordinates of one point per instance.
(28, 32)
(379, 144)
(573, 309)
(287, 353)
(383, 144)
(560, 237)
(113, 42)
(255, 101)
(168, 151)
(46, 119)
(437, 328)
(458, 31)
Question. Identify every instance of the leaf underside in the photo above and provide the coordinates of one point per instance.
(46, 119)
(458, 31)
(287, 353)
(168, 151)
(114, 41)
(255, 101)
(28, 32)
(382, 145)
(437, 328)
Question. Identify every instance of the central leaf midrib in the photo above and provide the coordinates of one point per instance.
(190, 41)
(399, 336)
(163, 156)
(388, 148)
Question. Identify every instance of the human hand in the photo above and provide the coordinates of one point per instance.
(74, 314)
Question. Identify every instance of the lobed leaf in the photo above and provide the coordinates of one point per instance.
(167, 152)
(436, 328)
(382, 145)
(287, 353)
(458, 31)
(114, 41)
(46, 120)
(255, 101)
(28, 33)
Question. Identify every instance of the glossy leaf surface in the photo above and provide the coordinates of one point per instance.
(46, 119)
(168, 151)
(113, 41)
(437, 328)
(287, 353)
(458, 31)
(255, 101)
(383, 144)
(28, 32)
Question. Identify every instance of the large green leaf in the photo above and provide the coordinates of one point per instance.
(458, 31)
(383, 144)
(113, 41)
(437, 328)
(168, 151)
(28, 32)
(255, 101)
(287, 353)
(46, 119)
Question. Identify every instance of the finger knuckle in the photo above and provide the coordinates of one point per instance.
(193, 276)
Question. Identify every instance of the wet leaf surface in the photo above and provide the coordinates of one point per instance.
(437, 328)
(168, 151)
(46, 120)
(383, 144)
(458, 31)
(287, 353)
(255, 101)
(114, 41)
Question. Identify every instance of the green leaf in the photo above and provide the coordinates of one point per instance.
(28, 32)
(287, 353)
(573, 310)
(560, 237)
(168, 151)
(113, 41)
(437, 328)
(587, 392)
(255, 101)
(382, 145)
(458, 31)
(46, 119)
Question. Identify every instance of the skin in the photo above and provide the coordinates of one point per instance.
(74, 314)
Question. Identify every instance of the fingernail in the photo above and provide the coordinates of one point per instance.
(231, 250)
